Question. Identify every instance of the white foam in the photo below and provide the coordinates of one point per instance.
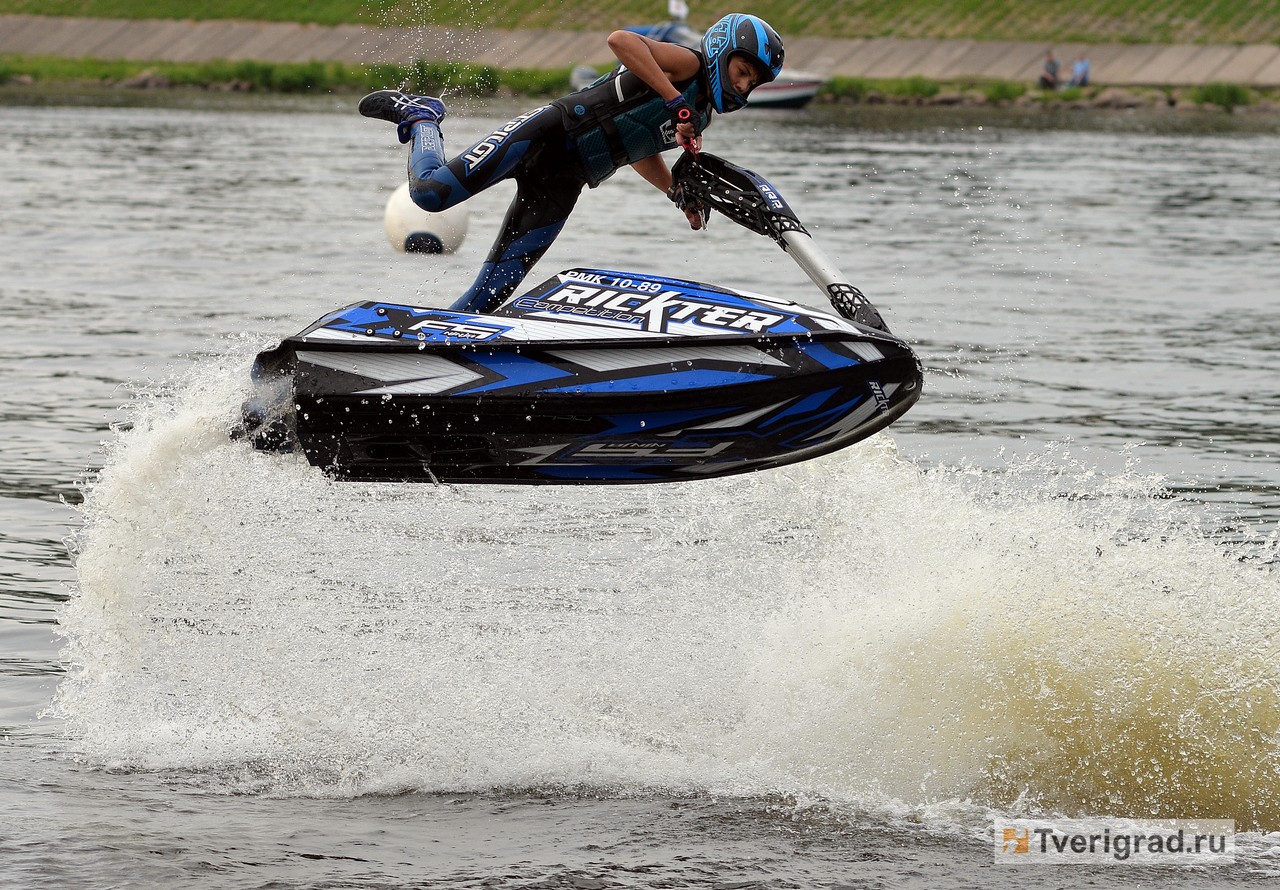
(857, 630)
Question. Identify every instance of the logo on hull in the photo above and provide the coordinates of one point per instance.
(434, 328)
(657, 311)
(877, 392)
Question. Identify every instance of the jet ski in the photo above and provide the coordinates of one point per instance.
(593, 376)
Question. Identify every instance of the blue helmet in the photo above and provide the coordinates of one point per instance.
(738, 33)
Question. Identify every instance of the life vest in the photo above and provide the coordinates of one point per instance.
(619, 120)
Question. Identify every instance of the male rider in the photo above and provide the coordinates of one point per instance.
(661, 96)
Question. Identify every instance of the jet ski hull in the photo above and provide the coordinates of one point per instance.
(392, 393)
(585, 412)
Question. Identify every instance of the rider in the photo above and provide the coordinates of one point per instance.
(660, 96)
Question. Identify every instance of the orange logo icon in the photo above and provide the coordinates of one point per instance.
(1017, 840)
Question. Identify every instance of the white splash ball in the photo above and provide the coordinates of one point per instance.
(410, 229)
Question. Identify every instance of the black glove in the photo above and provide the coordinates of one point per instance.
(678, 197)
(683, 113)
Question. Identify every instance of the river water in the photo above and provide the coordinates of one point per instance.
(1049, 591)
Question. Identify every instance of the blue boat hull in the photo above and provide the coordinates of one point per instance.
(581, 381)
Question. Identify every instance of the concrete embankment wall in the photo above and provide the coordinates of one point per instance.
(192, 41)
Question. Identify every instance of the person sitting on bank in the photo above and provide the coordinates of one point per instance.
(1049, 75)
(660, 97)
(1080, 71)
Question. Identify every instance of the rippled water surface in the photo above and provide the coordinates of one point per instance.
(1049, 589)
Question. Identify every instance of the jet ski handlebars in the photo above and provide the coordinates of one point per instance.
(705, 182)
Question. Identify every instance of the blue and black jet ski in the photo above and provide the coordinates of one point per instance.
(594, 376)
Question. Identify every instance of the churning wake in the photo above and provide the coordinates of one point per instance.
(858, 630)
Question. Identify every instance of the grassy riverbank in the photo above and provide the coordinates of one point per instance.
(317, 78)
(286, 77)
(1088, 21)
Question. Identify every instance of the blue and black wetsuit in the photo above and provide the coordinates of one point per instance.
(551, 152)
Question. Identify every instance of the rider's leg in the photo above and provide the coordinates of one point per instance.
(435, 184)
(537, 215)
